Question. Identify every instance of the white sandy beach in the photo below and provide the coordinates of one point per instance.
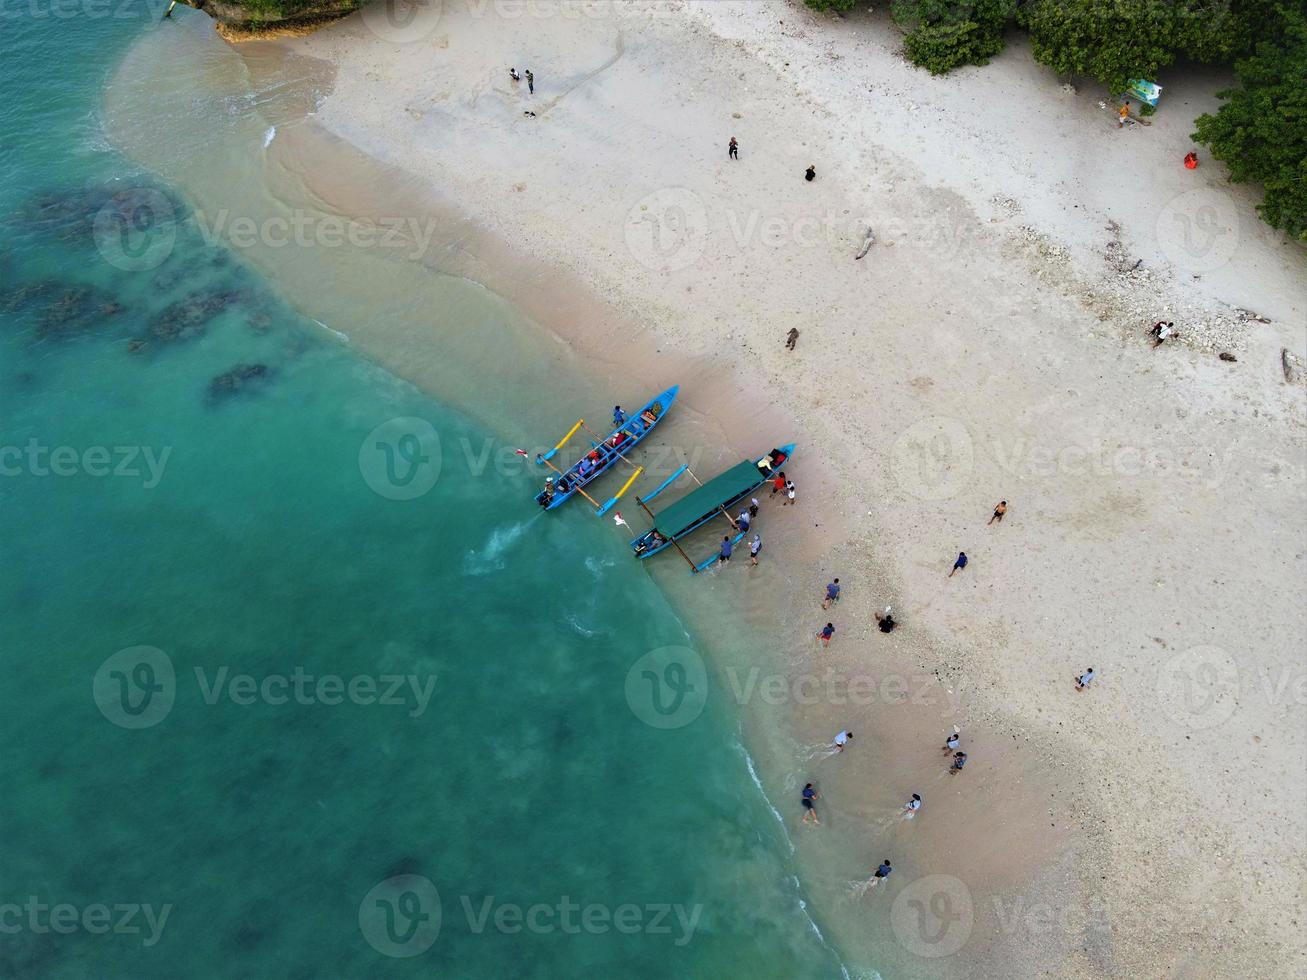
(991, 345)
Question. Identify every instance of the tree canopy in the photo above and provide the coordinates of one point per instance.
(1260, 131)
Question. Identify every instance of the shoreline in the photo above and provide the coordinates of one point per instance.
(944, 628)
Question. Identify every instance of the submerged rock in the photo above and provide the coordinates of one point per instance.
(23, 296)
(68, 214)
(188, 316)
(76, 310)
(237, 379)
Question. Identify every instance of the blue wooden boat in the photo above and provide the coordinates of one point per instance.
(708, 501)
(602, 455)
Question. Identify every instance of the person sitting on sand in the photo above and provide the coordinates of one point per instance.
(885, 623)
(959, 760)
(1085, 679)
(911, 807)
(810, 174)
(842, 739)
(951, 743)
(512, 73)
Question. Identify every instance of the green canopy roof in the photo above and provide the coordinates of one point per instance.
(738, 480)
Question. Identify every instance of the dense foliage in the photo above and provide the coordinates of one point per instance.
(941, 35)
(1261, 130)
(831, 4)
(1114, 41)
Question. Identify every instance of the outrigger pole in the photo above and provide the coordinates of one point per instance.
(542, 459)
(546, 457)
(688, 560)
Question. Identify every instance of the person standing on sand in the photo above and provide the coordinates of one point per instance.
(742, 522)
(1163, 331)
(999, 510)
(832, 594)
(810, 174)
(1084, 680)
(810, 797)
(826, 633)
(755, 546)
(951, 743)
(911, 807)
(778, 484)
(733, 149)
(725, 555)
(1122, 115)
(959, 760)
(960, 563)
(530, 81)
(753, 507)
(790, 491)
(792, 338)
(842, 739)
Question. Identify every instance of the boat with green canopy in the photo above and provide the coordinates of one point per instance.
(704, 503)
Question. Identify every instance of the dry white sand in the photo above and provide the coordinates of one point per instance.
(988, 346)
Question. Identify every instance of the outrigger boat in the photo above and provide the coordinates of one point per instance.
(709, 500)
(602, 455)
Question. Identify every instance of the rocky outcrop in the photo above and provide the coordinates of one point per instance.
(238, 20)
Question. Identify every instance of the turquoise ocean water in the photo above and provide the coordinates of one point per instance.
(220, 547)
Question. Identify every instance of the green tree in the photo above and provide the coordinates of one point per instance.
(1261, 129)
(1116, 40)
(941, 35)
(824, 5)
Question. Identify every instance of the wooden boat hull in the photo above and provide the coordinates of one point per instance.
(635, 429)
(645, 546)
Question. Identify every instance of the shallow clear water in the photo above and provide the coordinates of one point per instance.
(190, 464)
